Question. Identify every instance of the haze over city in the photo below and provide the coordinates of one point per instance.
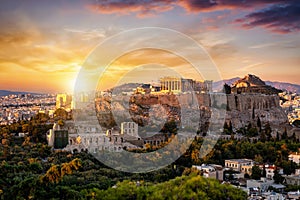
(44, 43)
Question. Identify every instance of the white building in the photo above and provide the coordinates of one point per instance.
(50, 135)
(270, 171)
(211, 171)
(89, 136)
(130, 128)
(272, 196)
(294, 195)
(240, 165)
(262, 185)
(293, 179)
(295, 157)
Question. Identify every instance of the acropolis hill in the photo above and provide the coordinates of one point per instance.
(242, 107)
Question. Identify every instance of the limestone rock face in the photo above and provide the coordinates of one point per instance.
(246, 108)
(241, 109)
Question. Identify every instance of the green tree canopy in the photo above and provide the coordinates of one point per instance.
(256, 172)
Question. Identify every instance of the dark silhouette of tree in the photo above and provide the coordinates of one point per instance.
(289, 167)
(296, 123)
(41, 118)
(256, 172)
(230, 127)
(277, 177)
(277, 136)
(258, 124)
(227, 89)
(170, 127)
(268, 131)
(247, 176)
(293, 137)
(284, 135)
(60, 114)
(264, 172)
(263, 137)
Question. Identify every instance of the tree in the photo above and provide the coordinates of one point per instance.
(60, 122)
(268, 131)
(258, 124)
(230, 127)
(263, 137)
(227, 89)
(42, 117)
(258, 159)
(256, 172)
(277, 136)
(170, 127)
(296, 123)
(25, 128)
(264, 171)
(251, 131)
(225, 128)
(293, 137)
(57, 172)
(195, 156)
(277, 177)
(289, 167)
(185, 187)
(60, 113)
(284, 134)
(247, 176)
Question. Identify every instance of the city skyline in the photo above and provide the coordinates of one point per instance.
(44, 43)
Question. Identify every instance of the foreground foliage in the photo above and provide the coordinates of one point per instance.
(185, 187)
(29, 169)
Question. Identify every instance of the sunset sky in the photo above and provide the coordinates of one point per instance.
(44, 43)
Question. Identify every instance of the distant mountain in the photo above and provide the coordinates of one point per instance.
(217, 86)
(285, 86)
(7, 92)
(127, 87)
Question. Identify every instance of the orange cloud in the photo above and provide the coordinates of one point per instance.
(140, 8)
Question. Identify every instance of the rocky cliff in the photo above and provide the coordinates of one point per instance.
(247, 108)
(241, 109)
